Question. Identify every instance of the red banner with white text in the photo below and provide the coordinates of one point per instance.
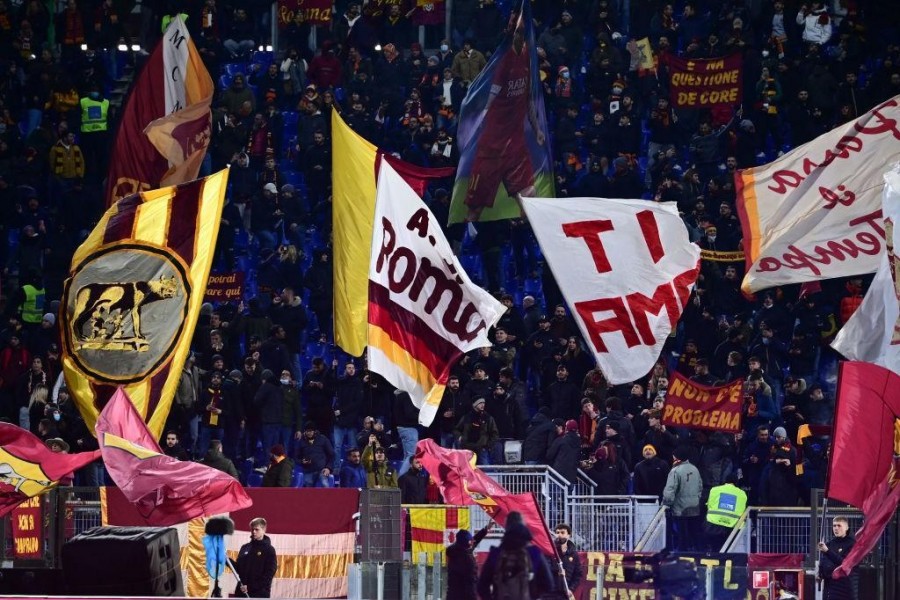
(704, 83)
(312, 12)
(689, 404)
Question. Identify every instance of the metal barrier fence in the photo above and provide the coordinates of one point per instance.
(610, 523)
(784, 530)
(654, 536)
(550, 488)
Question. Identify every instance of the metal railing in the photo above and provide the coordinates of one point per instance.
(654, 537)
(550, 488)
(789, 530)
(610, 523)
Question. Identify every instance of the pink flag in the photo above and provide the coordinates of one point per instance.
(165, 490)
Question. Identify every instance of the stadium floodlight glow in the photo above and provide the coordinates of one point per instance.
(135, 47)
(123, 48)
(377, 47)
(84, 47)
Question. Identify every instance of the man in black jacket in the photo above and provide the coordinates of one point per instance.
(571, 564)
(316, 456)
(348, 405)
(317, 394)
(650, 474)
(563, 397)
(413, 483)
(290, 314)
(565, 451)
(256, 563)
(833, 554)
(540, 434)
(215, 459)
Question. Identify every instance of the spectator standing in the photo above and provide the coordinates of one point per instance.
(256, 563)
(217, 460)
(571, 570)
(316, 456)
(515, 568)
(280, 470)
(477, 431)
(682, 497)
(413, 483)
(565, 451)
(379, 472)
(540, 434)
(462, 570)
(832, 556)
(651, 474)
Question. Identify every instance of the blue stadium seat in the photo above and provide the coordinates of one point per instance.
(233, 69)
(294, 178)
(290, 119)
(246, 469)
(314, 349)
(297, 476)
(254, 479)
(225, 81)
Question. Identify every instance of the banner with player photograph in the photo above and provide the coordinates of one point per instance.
(503, 140)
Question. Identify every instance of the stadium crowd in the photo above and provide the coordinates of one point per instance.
(265, 378)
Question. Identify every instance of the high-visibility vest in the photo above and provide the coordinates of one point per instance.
(93, 114)
(726, 504)
(33, 307)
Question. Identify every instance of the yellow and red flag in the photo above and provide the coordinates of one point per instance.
(28, 468)
(165, 127)
(433, 528)
(133, 296)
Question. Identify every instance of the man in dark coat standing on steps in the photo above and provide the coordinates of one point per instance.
(833, 554)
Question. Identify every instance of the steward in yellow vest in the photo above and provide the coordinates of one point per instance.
(95, 133)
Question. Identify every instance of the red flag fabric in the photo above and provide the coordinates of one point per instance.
(878, 510)
(415, 176)
(464, 484)
(166, 122)
(862, 452)
(165, 490)
(29, 468)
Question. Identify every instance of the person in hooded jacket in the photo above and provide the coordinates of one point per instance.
(256, 563)
(516, 538)
(607, 469)
(540, 434)
(462, 570)
(565, 451)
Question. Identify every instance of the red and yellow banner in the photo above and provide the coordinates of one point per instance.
(133, 297)
(28, 529)
(689, 404)
(704, 83)
(433, 528)
(312, 12)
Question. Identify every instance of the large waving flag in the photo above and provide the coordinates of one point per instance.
(355, 163)
(873, 332)
(503, 140)
(28, 468)
(133, 296)
(165, 127)
(627, 269)
(424, 311)
(462, 483)
(165, 490)
(815, 213)
(865, 453)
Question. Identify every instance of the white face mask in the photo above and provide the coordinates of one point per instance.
(444, 47)
(285, 381)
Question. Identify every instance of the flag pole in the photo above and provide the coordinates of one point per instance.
(559, 561)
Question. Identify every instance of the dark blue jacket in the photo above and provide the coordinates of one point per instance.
(315, 455)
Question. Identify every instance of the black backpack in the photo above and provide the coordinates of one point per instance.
(513, 575)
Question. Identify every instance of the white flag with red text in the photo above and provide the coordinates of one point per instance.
(873, 332)
(815, 213)
(424, 311)
(626, 269)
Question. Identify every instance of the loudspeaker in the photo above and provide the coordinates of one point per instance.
(380, 523)
(123, 561)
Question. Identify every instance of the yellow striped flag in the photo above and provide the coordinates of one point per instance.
(133, 296)
(353, 209)
(433, 528)
(424, 311)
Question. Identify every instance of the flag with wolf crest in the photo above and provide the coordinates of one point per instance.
(133, 297)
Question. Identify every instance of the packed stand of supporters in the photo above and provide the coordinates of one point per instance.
(266, 389)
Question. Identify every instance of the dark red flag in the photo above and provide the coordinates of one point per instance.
(415, 176)
(865, 453)
(29, 468)
(463, 484)
(165, 490)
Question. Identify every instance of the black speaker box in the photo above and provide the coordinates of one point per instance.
(123, 561)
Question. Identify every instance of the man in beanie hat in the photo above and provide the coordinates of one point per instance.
(651, 474)
(682, 497)
(280, 470)
(462, 570)
(477, 431)
(565, 452)
(779, 480)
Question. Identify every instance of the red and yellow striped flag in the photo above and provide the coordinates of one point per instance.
(133, 296)
(434, 528)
